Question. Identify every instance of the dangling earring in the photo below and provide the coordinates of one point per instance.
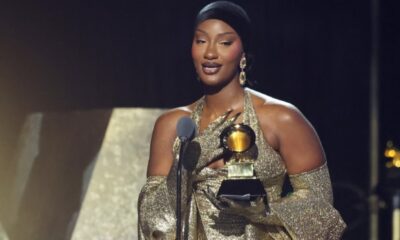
(242, 75)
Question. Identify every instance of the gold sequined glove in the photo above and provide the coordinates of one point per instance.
(308, 213)
(157, 201)
(156, 219)
(205, 147)
(202, 150)
(255, 211)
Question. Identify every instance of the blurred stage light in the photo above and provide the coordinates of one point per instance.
(394, 154)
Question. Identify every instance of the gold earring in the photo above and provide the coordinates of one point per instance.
(242, 75)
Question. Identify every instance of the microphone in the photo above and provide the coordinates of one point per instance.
(192, 154)
(185, 130)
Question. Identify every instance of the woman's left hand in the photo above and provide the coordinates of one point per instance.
(255, 211)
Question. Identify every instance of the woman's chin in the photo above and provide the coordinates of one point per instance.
(211, 83)
(212, 80)
(213, 86)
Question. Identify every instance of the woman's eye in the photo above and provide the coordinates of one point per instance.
(226, 43)
(200, 41)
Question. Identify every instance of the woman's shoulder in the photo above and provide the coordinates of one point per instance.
(162, 140)
(273, 110)
(284, 127)
(172, 116)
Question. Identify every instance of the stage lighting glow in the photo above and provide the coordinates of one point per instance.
(390, 153)
(396, 162)
(394, 153)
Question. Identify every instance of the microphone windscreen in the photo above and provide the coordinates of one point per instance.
(191, 156)
(185, 128)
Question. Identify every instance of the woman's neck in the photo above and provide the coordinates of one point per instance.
(230, 97)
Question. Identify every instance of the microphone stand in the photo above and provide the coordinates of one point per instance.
(179, 189)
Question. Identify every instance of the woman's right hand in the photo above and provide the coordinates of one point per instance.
(206, 147)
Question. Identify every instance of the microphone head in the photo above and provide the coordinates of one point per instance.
(185, 128)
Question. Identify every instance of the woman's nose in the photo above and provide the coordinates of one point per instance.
(210, 53)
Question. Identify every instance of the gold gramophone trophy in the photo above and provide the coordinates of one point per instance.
(241, 184)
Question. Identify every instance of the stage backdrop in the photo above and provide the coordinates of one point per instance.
(79, 174)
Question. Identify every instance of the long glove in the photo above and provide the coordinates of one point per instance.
(202, 150)
(158, 197)
(156, 216)
(205, 147)
(256, 211)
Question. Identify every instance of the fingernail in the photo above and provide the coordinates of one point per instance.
(236, 116)
(228, 112)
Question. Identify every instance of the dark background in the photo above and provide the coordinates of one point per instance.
(68, 55)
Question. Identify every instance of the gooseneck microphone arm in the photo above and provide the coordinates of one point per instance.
(185, 130)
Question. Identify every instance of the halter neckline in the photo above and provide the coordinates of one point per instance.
(198, 110)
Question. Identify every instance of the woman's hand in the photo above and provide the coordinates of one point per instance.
(206, 148)
(251, 210)
(256, 211)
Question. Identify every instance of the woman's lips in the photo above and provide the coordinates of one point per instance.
(210, 68)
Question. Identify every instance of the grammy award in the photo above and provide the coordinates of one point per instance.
(242, 183)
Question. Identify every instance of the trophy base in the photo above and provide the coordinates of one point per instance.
(241, 189)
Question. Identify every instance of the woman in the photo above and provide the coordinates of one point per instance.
(285, 143)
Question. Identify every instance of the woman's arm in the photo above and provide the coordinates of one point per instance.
(294, 137)
(307, 213)
(162, 140)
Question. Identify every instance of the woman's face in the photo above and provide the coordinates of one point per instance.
(216, 52)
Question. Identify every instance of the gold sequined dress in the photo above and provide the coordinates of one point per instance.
(307, 213)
